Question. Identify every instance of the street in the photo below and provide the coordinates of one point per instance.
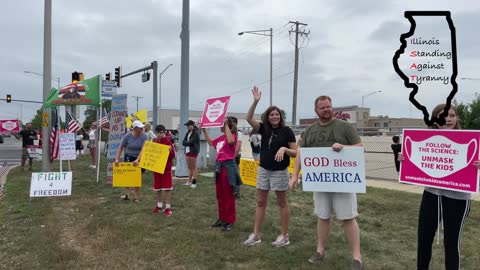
(11, 151)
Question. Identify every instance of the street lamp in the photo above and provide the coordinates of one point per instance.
(470, 79)
(264, 33)
(363, 105)
(160, 88)
(40, 74)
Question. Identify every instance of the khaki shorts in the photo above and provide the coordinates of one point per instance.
(272, 180)
(344, 205)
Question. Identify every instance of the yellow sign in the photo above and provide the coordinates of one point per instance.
(140, 116)
(154, 157)
(126, 175)
(45, 120)
(248, 171)
(292, 165)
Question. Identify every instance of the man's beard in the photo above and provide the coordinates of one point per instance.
(326, 116)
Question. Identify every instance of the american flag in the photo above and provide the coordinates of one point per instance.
(3, 169)
(104, 119)
(72, 125)
(54, 136)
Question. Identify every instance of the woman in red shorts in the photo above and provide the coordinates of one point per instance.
(192, 147)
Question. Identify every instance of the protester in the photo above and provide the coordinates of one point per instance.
(278, 145)
(238, 153)
(227, 176)
(149, 132)
(192, 148)
(255, 144)
(162, 183)
(78, 142)
(335, 133)
(92, 144)
(396, 148)
(28, 135)
(440, 206)
(132, 143)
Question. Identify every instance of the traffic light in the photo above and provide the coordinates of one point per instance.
(9, 98)
(75, 77)
(118, 76)
(108, 76)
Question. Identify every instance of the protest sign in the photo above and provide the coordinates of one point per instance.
(441, 159)
(7, 126)
(51, 184)
(248, 171)
(154, 157)
(34, 152)
(325, 170)
(215, 112)
(67, 146)
(127, 175)
(117, 131)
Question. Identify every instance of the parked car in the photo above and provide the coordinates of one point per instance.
(1, 138)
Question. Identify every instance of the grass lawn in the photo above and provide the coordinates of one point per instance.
(93, 229)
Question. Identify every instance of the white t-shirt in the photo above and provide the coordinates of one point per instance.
(239, 136)
(78, 137)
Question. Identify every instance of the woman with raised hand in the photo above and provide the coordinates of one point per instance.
(278, 145)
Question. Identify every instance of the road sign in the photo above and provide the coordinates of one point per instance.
(109, 88)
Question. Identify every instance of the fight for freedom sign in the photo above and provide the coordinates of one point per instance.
(215, 112)
(324, 170)
(51, 184)
(441, 159)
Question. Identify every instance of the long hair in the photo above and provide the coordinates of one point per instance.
(439, 109)
(266, 123)
(232, 126)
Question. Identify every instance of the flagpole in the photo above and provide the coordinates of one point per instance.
(99, 129)
(58, 138)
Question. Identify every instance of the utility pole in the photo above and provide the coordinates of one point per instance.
(181, 169)
(137, 98)
(295, 74)
(47, 83)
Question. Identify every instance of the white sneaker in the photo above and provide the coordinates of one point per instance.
(94, 167)
(187, 184)
(252, 240)
(193, 185)
(281, 241)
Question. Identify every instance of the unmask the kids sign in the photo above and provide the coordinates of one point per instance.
(215, 111)
(441, 159)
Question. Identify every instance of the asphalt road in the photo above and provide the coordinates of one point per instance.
(11, 151)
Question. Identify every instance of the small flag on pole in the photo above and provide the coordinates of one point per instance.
(54, 136)
(72, 125)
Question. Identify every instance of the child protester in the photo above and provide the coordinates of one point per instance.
(162, 183)
(227, 176)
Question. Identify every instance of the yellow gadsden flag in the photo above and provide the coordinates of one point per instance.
(140, 116)
(126, 175)
(154, 157)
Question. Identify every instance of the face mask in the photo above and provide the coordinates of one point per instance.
(440, 157)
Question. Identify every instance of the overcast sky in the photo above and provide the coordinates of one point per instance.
(348, 54)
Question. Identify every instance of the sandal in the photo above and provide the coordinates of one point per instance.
(124, 197)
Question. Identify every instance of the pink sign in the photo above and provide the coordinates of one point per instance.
(441, 159)
(215, 111)
(7, 126)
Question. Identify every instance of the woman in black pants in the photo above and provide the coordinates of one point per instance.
(453, 207)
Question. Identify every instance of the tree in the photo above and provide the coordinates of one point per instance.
(468, 113)
(37, 120)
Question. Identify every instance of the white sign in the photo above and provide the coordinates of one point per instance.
(67, 146)
(35, 153)
(51, 184)
(325, 170)
(109, 88)
(117, 131)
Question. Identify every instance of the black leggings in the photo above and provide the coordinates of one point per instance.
(454, 214)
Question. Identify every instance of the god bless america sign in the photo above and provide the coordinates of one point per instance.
(325, 170)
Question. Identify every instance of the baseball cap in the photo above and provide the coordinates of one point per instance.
(137, 124)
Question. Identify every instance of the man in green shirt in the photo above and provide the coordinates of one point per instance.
(335, 133)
